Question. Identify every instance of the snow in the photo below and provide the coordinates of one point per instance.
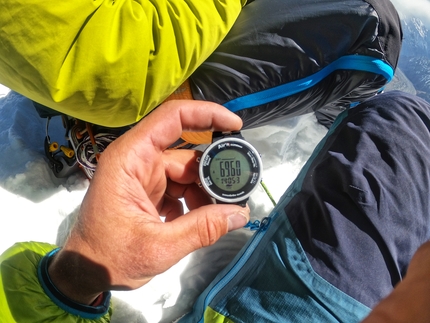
(416, 8)
(37, 206)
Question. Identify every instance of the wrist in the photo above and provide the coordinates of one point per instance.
(66, 290)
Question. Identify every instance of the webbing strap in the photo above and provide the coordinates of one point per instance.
(350, 62)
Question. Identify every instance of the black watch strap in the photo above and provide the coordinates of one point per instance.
(217, 135)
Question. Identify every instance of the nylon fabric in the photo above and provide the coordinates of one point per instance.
(368, 199)
(286, 44)
(108, 62)
(276, 283)
(282, 287)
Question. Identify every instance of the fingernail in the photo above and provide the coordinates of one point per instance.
(236, 221)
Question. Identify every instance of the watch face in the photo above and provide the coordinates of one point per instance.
(230, 169)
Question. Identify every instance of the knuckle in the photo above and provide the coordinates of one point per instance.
(209, 231)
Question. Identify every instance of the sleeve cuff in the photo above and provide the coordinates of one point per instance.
(66, 304)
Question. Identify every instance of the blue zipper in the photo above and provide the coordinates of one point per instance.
(253, 226)
(261, 228)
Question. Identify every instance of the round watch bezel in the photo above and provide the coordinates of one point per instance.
(245, 149)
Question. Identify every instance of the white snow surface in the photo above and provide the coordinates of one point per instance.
(416, 8)
(37, 206)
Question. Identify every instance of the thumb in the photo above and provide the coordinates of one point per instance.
(204, 226)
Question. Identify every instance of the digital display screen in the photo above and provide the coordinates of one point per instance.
(230, 170)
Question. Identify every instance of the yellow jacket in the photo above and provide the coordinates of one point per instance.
(23, 297)
(108, 62)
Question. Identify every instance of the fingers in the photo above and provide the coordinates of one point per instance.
(168, 121)
(206, 115)
(181, 165)
(193, 195)
(172, 208)
(204, 226)
(182, 171)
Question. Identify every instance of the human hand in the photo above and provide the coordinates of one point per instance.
(119, 241)
(410, 299)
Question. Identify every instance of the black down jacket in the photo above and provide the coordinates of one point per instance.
(284, 58)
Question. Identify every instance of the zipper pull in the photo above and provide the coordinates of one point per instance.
(257, 225)
(253, 226)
